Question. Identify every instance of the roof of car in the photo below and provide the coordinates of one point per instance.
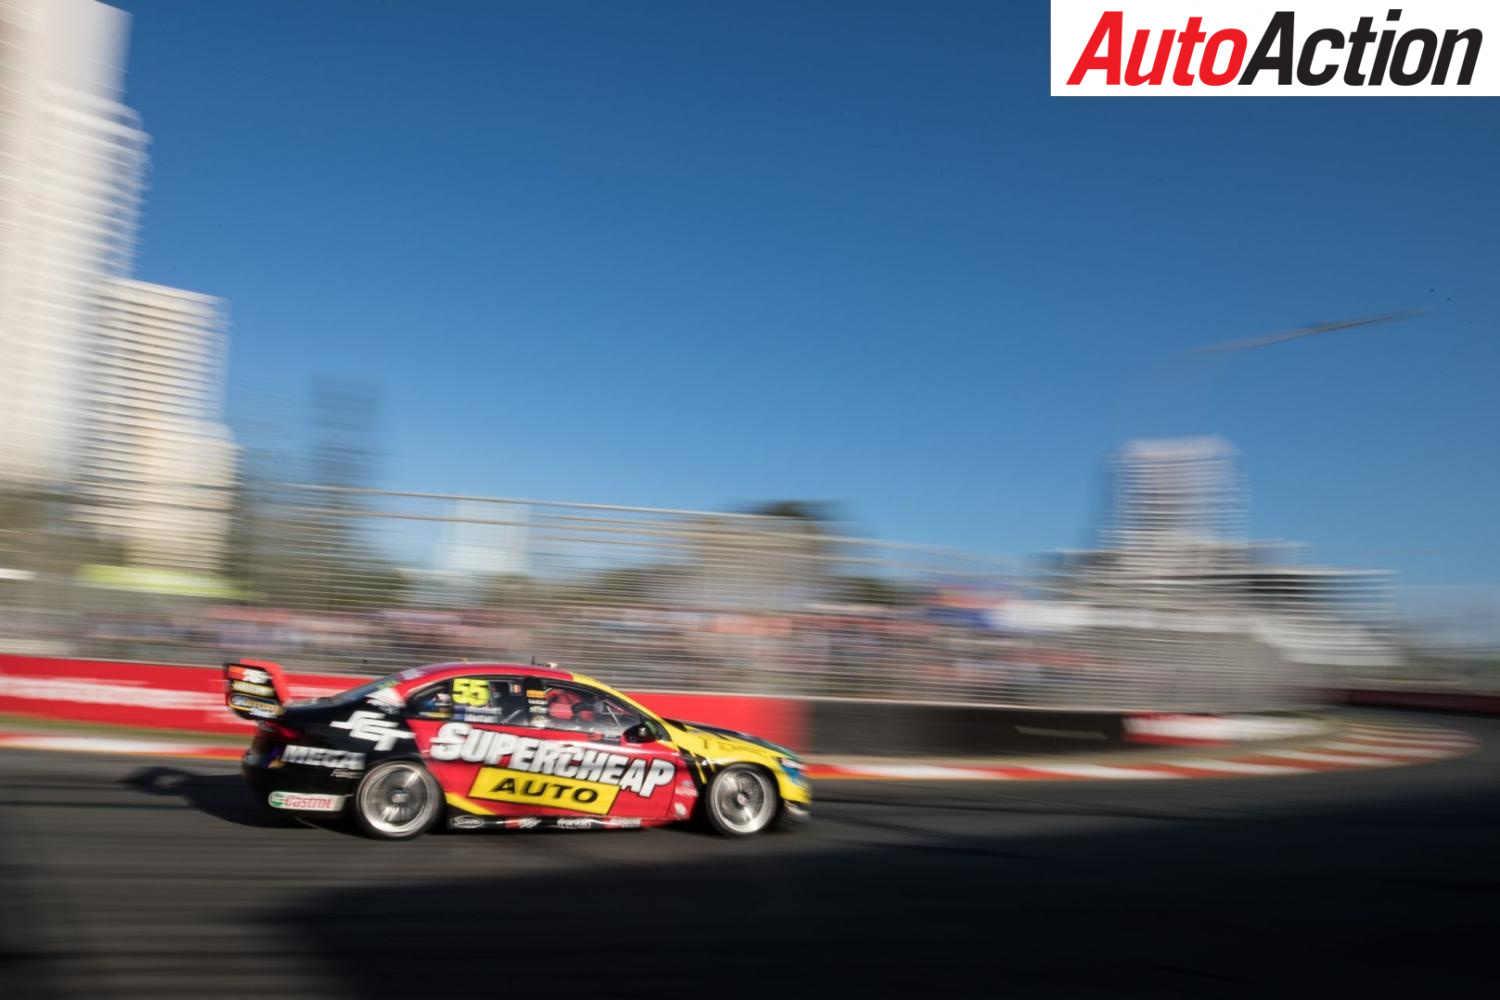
(438, 671)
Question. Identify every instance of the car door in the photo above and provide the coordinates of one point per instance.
(512, 745)
(457, 721)
(605, 745)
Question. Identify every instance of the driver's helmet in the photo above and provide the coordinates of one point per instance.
(439, 703)
(563, 705)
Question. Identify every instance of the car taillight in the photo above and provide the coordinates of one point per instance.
(270, 737)
(278, 730)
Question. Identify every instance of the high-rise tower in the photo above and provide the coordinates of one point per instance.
(72, 160)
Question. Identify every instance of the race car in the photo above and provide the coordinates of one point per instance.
(481, 745)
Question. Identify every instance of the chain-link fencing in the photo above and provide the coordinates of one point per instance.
(367, 581)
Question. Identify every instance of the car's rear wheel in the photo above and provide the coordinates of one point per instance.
(397, 800)
(741, 801)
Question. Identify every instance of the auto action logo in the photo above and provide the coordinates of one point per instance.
(1341, 48)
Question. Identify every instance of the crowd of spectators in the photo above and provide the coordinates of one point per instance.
(910, 652)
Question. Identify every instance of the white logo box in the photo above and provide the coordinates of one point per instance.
(1460, 38)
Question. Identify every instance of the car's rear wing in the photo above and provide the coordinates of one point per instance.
(255, 689)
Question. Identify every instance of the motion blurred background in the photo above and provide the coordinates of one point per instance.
(328, 529)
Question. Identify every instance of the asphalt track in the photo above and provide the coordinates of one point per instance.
(131, 877)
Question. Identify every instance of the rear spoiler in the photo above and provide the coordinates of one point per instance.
(255, 689)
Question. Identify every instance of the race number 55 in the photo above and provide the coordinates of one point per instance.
(471, 691)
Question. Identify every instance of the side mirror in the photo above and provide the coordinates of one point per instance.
(641, 733)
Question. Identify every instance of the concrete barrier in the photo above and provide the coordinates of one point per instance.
(1465, 702)
(191, 699)
(916, 729)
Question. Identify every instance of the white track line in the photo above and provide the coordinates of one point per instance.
(97, 744)
(1099, 771)
(1240, 767)
(1408, 736)
(919, 771)
(1330, 758)
(1402, 751)
(1394, 741)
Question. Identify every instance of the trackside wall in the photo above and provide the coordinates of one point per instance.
(191, 699)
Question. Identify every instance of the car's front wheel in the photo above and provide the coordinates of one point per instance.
(397, 800)
(741, 800)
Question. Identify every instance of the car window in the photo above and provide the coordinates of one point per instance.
(572, 707)
(481, 698)
(364, 690)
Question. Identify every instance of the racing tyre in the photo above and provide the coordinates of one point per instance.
(397, 800)
(741, 801)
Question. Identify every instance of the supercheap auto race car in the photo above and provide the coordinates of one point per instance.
(502, 745)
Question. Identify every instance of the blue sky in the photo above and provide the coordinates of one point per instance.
(699, 255)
